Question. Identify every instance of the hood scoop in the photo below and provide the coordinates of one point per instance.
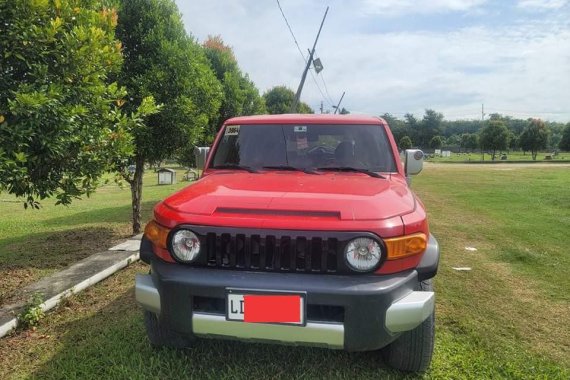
(268, 213)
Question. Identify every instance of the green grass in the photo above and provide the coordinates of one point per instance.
(35, 243)
(511, 156)
(507, 318)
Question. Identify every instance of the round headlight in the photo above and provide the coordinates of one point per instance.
(185, 245)
(363, 254)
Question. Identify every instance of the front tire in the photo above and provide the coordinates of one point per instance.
(160, 335)
(413, 350)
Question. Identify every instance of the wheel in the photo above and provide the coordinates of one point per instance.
(160, 335)
(413, 350)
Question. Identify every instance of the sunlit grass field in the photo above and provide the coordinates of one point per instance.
(34, 243)
(507, 317)
(509, 157)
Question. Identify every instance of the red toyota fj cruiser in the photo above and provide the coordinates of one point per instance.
(302, 230)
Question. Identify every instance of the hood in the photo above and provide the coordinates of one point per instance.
(344, 196)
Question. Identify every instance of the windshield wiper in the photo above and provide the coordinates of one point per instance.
(235, 166)
(351, 169)
(291, 168)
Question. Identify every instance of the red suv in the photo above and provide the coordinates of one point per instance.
(301, 230)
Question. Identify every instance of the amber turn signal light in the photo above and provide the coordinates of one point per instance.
(405, 246)
(157, 234)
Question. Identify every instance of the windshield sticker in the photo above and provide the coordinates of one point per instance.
(300, 129)
(232, 130)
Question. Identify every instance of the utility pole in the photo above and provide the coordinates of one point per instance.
(309, 61)
(321, 106)
(482, 112)
(338, 105)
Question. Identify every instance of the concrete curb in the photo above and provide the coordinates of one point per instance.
(7, 326)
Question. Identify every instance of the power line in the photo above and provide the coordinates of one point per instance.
(291, 31)
(326, 88)
(328, 100)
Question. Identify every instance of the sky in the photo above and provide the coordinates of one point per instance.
(401, 56)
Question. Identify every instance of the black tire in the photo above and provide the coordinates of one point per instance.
(413, 350)
(160, 335)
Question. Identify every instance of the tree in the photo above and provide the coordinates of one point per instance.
(534, 137)
(453, 141)
(513, 141)
(397, 126)
(279, 100)
(469, 141)
(436, 142)
(405, 143)
(565, 141)
(60, 123)
(412, 127)
(161, 60)
(429, 127)
(494, 137)
(240, 96)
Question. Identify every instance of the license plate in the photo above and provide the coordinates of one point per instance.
(265, 307)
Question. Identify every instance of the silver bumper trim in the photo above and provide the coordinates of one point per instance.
(410, 311)
(319, 334)
(146, 293)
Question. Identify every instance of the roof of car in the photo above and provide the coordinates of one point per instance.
(305, 119)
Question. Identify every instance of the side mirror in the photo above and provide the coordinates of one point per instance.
(414, 161)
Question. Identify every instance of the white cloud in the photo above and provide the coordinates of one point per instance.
(542, 4)
(397, 7)
(515, 66)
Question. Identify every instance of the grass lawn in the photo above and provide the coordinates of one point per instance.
(511, 156)
(506, 318)
(35, 243)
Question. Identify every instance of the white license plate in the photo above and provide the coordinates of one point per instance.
(265, 307)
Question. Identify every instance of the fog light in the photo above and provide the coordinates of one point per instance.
(363, 254)
(185, 246)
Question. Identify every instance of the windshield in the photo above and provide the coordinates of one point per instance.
(305, 147)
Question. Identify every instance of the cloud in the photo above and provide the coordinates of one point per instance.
(542, 4)
(398, 7)
(519, 64)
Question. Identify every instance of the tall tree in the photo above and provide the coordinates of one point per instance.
(161, 60)
(534, 137)
(397, 126)
(565, 141)
(279, 100)
(429, 127)
(60, 126)
(494, 137)
(240, 96)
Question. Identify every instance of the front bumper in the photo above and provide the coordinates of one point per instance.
(375, 308)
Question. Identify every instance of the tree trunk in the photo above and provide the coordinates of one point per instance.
(136, 193)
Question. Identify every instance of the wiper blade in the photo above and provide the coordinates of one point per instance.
(290, 168)
(351, 169)
(238, 167)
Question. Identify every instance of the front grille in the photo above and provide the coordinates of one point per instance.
(272, 253)
(273, 250)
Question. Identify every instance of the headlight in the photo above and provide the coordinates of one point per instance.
(363, 254)
(185, 245)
